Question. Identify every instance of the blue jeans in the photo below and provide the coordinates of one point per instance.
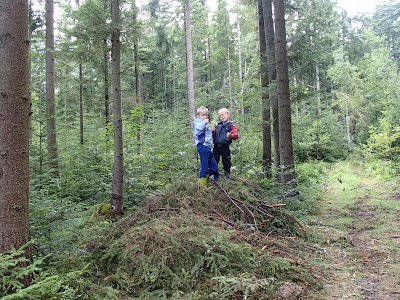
(208, 165)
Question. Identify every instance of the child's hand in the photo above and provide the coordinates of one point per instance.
(228, 134)
(206, 120)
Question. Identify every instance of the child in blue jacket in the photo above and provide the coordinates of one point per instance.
(204, 142)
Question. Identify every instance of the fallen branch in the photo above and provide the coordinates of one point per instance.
(294, 219)
(260, 210)
(234, 200)
(263, 203)
(168, 208)
(229, 197)
(233, 225)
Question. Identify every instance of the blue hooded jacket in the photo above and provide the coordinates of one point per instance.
(202, 133)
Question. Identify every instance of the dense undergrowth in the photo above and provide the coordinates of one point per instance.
(231, 241)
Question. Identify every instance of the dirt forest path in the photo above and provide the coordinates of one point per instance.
(360, 229)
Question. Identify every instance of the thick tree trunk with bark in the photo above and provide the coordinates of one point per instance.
(270, 42)
(117, 184)
(288, 175)
(266, 115)
(14, 127)
(50, 91)
(189, 63)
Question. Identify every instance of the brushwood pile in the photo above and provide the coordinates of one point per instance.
(229, 241)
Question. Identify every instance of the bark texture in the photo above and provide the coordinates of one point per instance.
(117, 184)
(241, 109)
(288, 175)
(270, 43)
(50, 90)
(81, 103)
(14, 127)
(189, 62)
(266, 115)
(137, 75)
(106, 84)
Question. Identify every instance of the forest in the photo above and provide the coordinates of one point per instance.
(99, 192)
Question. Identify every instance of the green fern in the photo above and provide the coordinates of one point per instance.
(14, 267)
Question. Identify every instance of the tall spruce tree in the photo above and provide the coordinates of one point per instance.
(266, 112)
(50, 90)
(118, 171)
(288, 175)
(14, 128)
(273, 98)
(386, 23)
(313, 34)
(189, 62)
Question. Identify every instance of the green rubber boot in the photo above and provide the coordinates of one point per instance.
(203, 182)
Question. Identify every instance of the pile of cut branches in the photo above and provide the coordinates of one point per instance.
(241, 204)
(214, 243)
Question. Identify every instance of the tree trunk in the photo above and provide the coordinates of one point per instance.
(270, 42)
(266, 126)
(288, 175)
(318, 84)
(30, 30)
(174, 86)
(50, 91)
(81, 102)
(138, 94)
(229, 77)
(137, 72)
(348, 127)
(296, 106)
(14, 128)
(189, 63)
(209, 64)
(241, 105)
(117, 184)
(137, 76)
(106, 87)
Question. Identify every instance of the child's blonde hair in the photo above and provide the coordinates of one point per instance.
(224, 110)
(201, 108)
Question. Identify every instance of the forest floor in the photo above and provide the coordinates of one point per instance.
(359, 228)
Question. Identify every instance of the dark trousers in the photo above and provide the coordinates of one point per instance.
(208, 166)
(224, 152)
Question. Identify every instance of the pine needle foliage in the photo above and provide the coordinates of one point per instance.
(188, 243)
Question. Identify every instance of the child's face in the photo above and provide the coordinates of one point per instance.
(203, 115)
(224, 116)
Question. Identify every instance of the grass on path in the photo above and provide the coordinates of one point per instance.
(359, 226)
